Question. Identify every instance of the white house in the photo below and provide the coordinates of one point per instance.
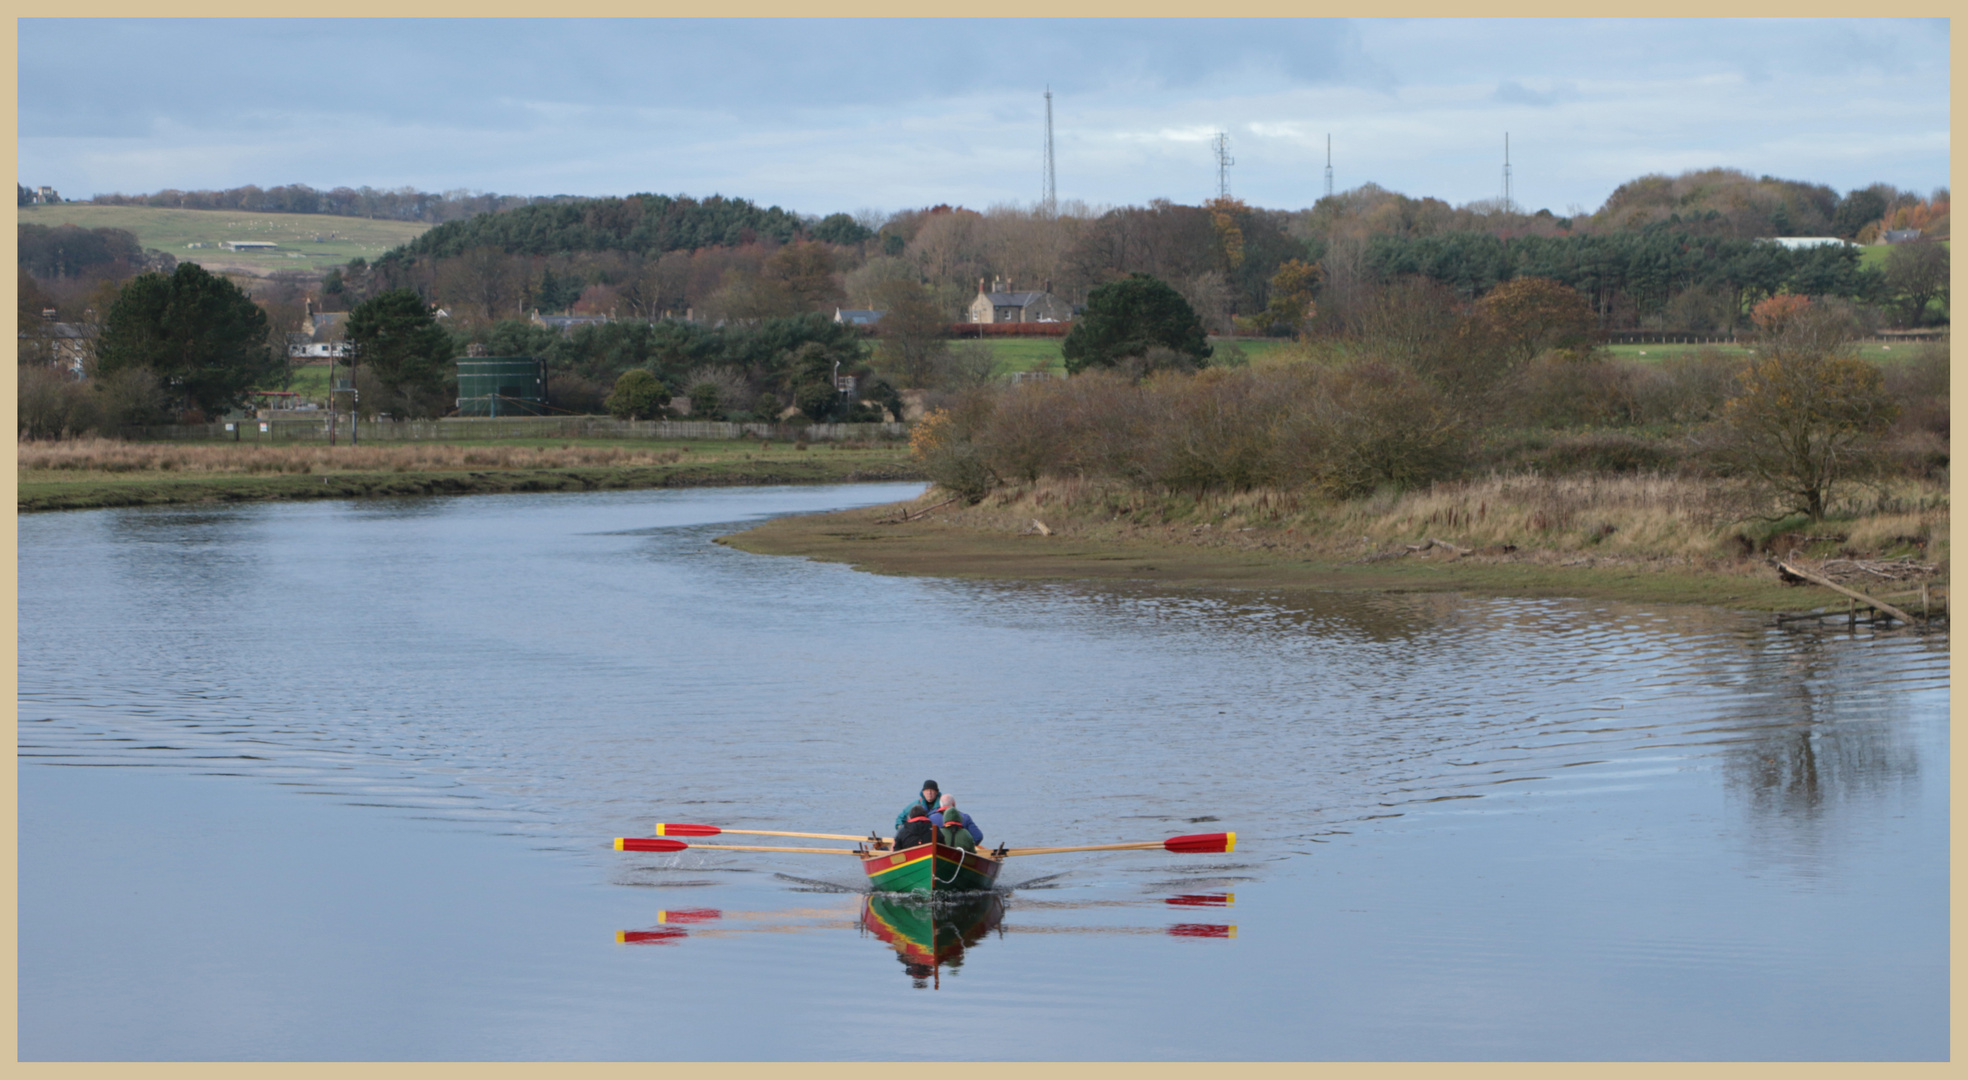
(1795, 243)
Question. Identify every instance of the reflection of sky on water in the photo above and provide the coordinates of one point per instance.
(561, 669)
(411, 651)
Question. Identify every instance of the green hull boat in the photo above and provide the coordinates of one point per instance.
(930, 868)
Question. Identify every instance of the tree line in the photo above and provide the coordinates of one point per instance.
(390, 204)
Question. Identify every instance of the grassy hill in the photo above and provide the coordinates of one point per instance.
(1874, 255)
(314, 242)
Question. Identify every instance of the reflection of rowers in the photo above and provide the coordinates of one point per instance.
(928, 934)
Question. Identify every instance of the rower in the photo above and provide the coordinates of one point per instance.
(948, 805)
(952, 826)
(915, 829)
(930, 792)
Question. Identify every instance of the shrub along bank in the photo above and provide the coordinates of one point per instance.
(1694, 471)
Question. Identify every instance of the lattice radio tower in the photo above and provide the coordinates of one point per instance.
(1223, 163)
(1050, 200)
(1506, 173)
(1328, 166)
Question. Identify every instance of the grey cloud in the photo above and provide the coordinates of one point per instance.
(473, 72)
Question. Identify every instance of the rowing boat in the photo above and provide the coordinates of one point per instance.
(930, 868)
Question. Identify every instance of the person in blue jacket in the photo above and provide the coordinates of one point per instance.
(949, 803)
(930, 794)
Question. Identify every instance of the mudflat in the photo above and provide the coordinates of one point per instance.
(873, 539)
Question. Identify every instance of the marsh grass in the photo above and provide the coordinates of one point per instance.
(1637, 519)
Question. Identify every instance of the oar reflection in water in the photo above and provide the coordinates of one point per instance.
(927, 933)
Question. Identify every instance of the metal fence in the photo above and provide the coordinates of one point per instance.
(464, 429)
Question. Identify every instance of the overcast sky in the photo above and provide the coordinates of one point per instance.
(826, 115)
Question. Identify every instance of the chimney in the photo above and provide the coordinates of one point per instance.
(980, 286)
(1047, 287)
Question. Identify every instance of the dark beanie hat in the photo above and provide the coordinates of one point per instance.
(931, 785)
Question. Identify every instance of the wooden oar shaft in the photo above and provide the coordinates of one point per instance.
(754, 847)
(1153, 845)
(806, 835)
(668, 829)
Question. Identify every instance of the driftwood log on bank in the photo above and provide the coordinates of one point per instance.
(1815, 579)
(919, 515)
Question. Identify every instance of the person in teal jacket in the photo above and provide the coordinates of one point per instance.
(930, 793)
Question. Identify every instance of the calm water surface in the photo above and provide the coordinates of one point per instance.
(338, 781)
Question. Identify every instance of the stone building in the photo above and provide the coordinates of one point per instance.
(1003, 303)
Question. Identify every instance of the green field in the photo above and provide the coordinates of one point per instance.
(312, 242)
(311, 381)
(1874, 255)
(1871, 350)
(1025, 354)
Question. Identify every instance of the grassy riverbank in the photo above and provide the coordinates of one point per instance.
(1642, 539)
(87, 474)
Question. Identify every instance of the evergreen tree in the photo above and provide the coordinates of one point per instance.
(1127, 318)
(397, 338)
(198, 334)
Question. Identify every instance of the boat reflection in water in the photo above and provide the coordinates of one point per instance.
(929, 932)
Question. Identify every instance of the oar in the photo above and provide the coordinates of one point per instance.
(1199, 844)
(650, 843)
(671, 828)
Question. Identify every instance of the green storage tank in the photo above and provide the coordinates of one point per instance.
(502, 386)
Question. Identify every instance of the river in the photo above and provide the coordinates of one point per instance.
(338, 781)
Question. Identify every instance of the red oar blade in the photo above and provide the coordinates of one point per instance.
(671, 828)
(689, 915)
(1202, 900)
(647, 843)
(650, 937)
(1208, 930)
(1202, 843)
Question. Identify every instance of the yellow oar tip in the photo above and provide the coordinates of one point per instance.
(1233, 932)
(1229, 899)
(660, 826)
(1230, 841)
(662, 916)
(618, 844)
(621, 937)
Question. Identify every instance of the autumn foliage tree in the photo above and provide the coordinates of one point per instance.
(1808, 412)
(1291, 306)
(1529, 316)
(911, 333)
